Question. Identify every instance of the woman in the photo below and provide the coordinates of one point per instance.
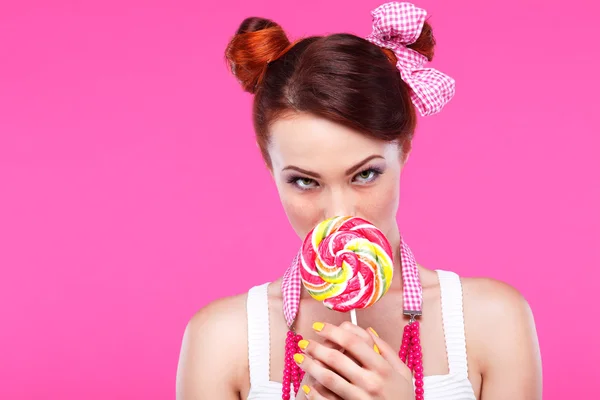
(334, 118)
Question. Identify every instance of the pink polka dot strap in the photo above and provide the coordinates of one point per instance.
(291, 286)
(396, 25)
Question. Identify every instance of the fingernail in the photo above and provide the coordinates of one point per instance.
(303, 344)
(306, 389)
(298, 358)
(374, 333)
(376, 349)
(318, 326)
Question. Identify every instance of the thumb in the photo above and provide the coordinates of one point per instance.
(391, 356)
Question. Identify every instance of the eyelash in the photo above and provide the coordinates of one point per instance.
(294, 178)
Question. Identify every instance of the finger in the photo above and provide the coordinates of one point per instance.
(318, 392)
(327, 377)
(362, 333)
(326, 393)
(353, 344)
(335, 360)
(311, 383)
(390, 355)
(332, 345)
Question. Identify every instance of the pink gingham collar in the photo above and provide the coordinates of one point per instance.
(291, 285)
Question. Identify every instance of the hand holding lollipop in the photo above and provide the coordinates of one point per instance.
(346, 263)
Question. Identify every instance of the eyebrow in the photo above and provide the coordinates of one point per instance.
(349, 171)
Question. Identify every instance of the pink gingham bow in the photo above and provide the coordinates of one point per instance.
(396, 25)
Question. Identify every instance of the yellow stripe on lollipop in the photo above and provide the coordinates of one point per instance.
(332, 274)
(324, 291)
(377, 259)
(322, 230)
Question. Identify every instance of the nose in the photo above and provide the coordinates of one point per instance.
(338, 202)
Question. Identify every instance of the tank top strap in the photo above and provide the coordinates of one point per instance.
(453, 321)
(257, 309)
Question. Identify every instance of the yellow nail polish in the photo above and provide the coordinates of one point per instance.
(303, 344)
(376, 349)
(298, 358)
(306, 389)
(374, 333)
(318, 326)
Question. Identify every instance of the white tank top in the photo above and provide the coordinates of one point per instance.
(453, 386)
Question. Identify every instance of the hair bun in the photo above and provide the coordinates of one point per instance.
(425, 44)
(256, 42)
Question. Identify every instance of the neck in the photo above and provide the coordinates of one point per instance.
(394, 239)
(397, 282)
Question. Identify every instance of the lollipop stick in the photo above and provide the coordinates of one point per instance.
(353, 316)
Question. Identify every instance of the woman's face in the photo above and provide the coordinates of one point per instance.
(322, 169)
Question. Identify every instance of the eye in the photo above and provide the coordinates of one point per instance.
(302, 183)
(368, 175)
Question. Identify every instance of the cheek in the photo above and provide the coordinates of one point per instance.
(300, 210)
(380, 205)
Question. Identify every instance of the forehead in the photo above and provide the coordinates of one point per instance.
(303, 138)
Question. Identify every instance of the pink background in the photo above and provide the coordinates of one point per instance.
(127, 162)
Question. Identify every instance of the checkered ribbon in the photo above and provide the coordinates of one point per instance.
(291, 285)
(396, 25)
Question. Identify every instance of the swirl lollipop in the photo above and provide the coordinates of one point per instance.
(347, 263)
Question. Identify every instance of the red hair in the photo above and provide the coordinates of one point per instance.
(340, 77)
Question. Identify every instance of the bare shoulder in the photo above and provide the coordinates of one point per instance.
(501, 331)
(210, 365)
(226, 312)
(493, 298)
(493, 307)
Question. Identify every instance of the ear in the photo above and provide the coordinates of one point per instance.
(405, 151)
(405, 158)
(270, 169)
(266, 162)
